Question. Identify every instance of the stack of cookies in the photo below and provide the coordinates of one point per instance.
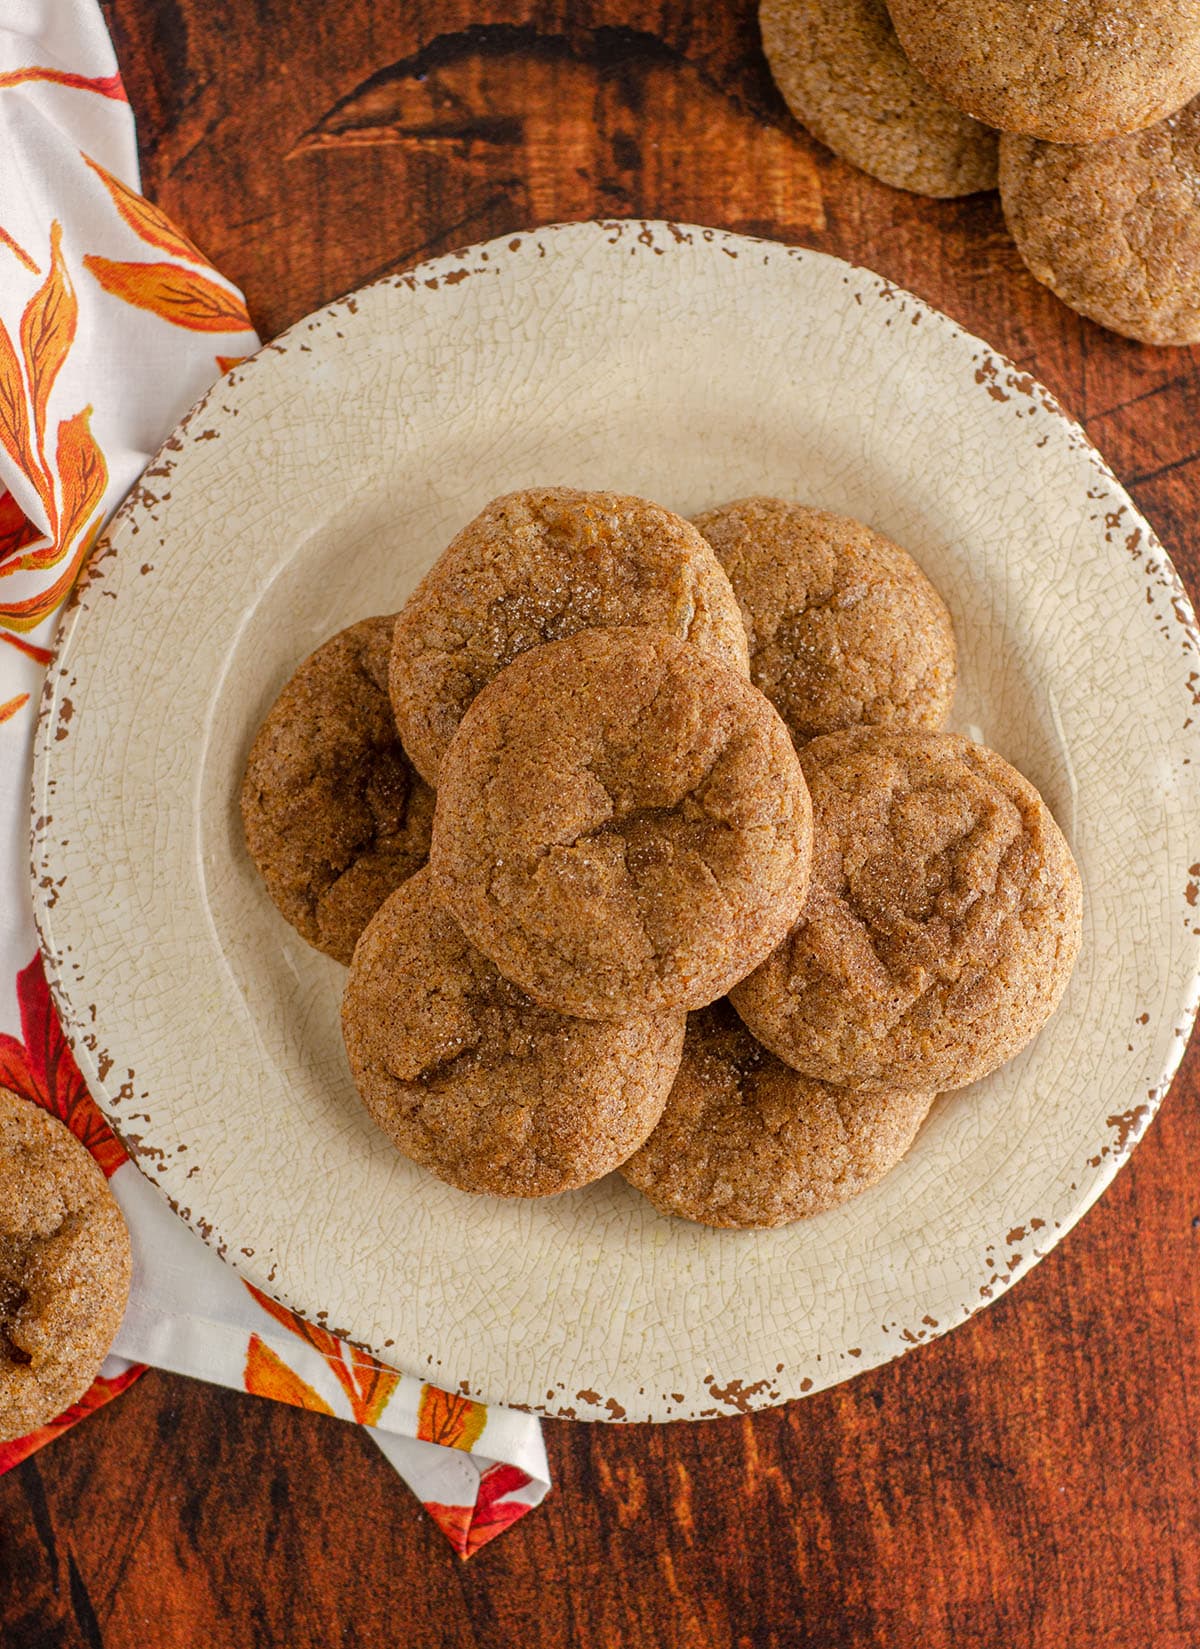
(646, 852)
(1085, 111)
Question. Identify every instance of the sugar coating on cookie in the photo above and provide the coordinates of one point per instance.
(1070, 71)
(334, 814)
(746, 1141)
(537, 566)
(468, 1076)
(942, 921)
(845, 629)
(842, 73)
(1113, 228)
(64, 1267)
(622, 825)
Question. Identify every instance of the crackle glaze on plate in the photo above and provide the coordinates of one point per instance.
(314, 485)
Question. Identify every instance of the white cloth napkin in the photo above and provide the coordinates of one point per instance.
(111, 325)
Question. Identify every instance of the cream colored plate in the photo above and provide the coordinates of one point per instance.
(313, 486)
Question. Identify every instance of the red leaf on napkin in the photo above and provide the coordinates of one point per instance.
(267, 1375)
(47, 333)
(42, 1068)
(446, 1418)
(145, 220)
(16, 531)
(467, 1528)
(182, 296)
(367, 1382)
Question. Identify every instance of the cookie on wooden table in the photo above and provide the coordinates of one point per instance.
(537, 566)
(1114, 228)
(746, 1141)
(64, 1267)
(840, 69)
(942, 920)
(844, 627)
(468, 1076)
(622, 825)
(334, 814)
(1069, 71)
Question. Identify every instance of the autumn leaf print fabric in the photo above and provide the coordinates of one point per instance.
(113, 323)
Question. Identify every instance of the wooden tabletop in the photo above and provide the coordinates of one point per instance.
(1029, 1481)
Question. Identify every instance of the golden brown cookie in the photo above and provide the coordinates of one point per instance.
(942, 921)
(1069, 71)
(469, 1077)
(840, 69)
(335, 817)
(1114, 228)
(746, 1141)
(844, 626)
(537, 566)
(622, 825)
(64, 1267)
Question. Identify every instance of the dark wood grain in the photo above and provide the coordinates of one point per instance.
(1030, 1480)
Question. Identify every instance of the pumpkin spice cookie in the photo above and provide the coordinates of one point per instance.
(942, 921)
(844, 626)
(622, 825)
(537, 566)
(840, 69)
(1074, 71)
(64, 1267)
(746, 1141)
(334, 815)
(477, 1082)
(1114, 228)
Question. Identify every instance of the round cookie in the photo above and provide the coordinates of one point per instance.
(537, 566)
(334, 815)
(844, 626)
(942, 922)
(64, 1267)
(842, 74)
(477, 1082)
(622, 825)
(1074, 71)
(1114, 228)
(746, 1141)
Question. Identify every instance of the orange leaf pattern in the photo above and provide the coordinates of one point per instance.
(267, 1375)
(367, 1382)
(14, 413)
(39, 655)
(47, 333)
(153, 226)
(182, 296)
(10, 706)
(446, 1418)
(82, 473)
(18, 252)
